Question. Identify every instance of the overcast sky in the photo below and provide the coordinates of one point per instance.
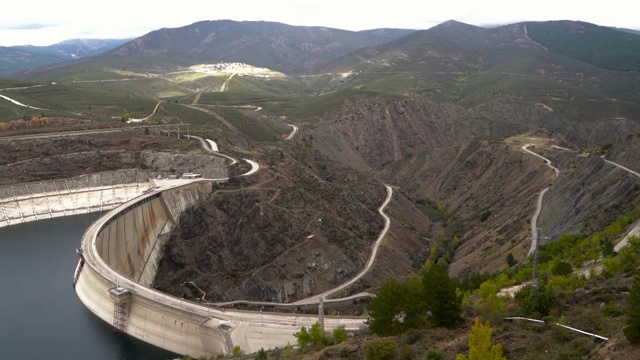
(45, 22)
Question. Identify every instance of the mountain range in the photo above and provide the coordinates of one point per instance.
(15, 59)
(441, 114)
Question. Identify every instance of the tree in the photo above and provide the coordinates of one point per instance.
(491, 305)
(433, 354)
(480, 346)
(608, 249)
(261, 355)
(125, 115)
(632, 330)
(561, 268)
(511, 261)
(412, 304)
(386, 310)
(441, 298)
(540, 301)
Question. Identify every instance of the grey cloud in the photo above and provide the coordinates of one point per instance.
(27, 26)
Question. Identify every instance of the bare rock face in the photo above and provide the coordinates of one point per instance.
(64, 157)
(275, 237)
(588, 195)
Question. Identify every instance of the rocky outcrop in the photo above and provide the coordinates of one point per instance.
(588, 195)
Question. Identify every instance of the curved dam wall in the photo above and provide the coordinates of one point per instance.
(131, 241)
(119, 257)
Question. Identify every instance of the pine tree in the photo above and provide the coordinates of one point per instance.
(441, 298)
(386, 310)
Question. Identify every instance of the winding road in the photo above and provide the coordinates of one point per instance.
(293, 132)
(315, 299)
(146, 118)
(387, 222)
(212, 147)
(635, 229)
(534, 219)
(19, 103)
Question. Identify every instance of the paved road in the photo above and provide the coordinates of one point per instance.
(315, 299)
(20, 104)
(82, 132)
(387, 222)
(534, 219)
(212, 147)
(146, 118)
(534, 222)
(254, 167)
(635, 228)
(555, 169)
(293, 133)
(622, 167)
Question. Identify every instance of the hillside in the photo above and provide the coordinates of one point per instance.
(15, 59)
(290, 232)
(597, 45)
(276, 46)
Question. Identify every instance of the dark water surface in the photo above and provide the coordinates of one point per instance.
(40, 315)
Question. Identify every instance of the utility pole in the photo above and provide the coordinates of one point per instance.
(321, 312)
(534, 281)
(536, 238)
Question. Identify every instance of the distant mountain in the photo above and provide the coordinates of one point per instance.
(285, 48)
(534, 62)
(602, 46)
(18, 58)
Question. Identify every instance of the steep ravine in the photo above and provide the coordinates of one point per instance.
(276, 236)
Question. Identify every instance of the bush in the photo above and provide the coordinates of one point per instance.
(406, 353)
(380, 350)
(261, 355)
(340, 334)
(315, 336)
(433, 354)
(237, 351)
(540, 301)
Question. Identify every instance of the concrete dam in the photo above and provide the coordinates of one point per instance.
(120, 253)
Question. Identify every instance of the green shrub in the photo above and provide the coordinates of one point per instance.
(340, 334)
(433, 354)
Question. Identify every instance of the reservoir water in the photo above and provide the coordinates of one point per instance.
(40, 315)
